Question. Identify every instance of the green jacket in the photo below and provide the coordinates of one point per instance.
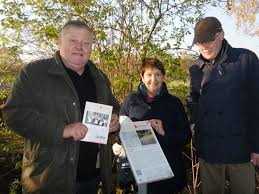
(42, 102)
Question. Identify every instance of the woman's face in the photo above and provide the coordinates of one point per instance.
(153, 79)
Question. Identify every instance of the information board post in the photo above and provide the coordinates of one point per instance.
(142, 189)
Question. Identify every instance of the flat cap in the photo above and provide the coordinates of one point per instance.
(206, 29)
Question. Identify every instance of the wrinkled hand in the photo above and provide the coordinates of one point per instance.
(77, 131)
(157, 125)
(255, 159)
(114, 124)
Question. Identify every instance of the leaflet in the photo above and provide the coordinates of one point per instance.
(97, 118)
(146, 157)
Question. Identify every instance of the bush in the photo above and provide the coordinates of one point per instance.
(11, 149)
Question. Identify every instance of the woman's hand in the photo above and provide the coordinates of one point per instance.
(157, 125)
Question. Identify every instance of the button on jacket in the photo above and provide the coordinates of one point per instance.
(224, 105)
(42, 102)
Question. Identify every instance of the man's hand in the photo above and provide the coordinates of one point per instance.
(77, 131)
(255, 159)
(157, 125)
(114, 124)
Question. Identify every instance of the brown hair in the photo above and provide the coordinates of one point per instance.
(152, 63)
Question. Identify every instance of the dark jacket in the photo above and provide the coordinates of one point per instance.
(170, 111)
(224, 105)
(42, 102)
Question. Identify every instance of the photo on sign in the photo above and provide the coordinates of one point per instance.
(146, 137)
(96, 118)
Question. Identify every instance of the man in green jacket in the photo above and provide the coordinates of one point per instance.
(46, 107)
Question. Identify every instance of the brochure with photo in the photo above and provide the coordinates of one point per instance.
(145, 155)
(97, 118)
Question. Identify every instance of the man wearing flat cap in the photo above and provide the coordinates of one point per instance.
(224, 107)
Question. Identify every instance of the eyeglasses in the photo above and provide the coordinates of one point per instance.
(210, 42)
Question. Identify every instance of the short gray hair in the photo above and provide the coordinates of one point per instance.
(76, 24)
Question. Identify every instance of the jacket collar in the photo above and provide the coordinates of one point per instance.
(99, 78)
(58, 69)
(142, 91)
(57, 65)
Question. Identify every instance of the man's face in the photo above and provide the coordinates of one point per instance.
(210, 50)
(76, 47)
